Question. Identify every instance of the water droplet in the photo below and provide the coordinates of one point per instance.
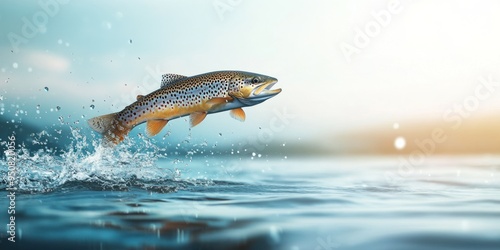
(220, 134)
(92, 106)
(259, 155)
(1, 97)
(400, 143)
(92, 100)
(139, 57)
(108, 25)
(61, 119)
(15, 65)
(130, 41)
(46, 89)
(284, 144)
(58, 108)
(59, 41)
(395, 125)
(254, 154)
(67, 44)
(83, 116)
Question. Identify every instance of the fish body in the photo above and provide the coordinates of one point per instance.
(195, 96)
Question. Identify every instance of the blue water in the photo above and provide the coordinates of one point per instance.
(119, 200)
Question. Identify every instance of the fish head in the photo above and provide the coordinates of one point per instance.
(251, 88)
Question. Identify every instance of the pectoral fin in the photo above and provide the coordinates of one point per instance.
(236, 95)
(238, 114)
(153, 127)
(214, 102)
(197, 117)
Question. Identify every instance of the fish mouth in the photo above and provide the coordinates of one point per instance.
(264, 90)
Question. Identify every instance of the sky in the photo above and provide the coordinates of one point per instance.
(342, 65)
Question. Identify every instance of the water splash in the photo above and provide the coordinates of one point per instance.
(132, 164)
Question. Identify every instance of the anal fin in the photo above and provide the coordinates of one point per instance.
(197, 117)
(238, 114)
(153, 127)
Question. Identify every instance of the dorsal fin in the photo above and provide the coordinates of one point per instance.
(168, 79)
(139, 97)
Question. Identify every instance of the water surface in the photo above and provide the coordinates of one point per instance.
(259, 203)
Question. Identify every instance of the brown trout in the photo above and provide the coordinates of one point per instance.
(194, 96)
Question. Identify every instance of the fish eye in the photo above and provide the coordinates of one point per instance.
(255, 80)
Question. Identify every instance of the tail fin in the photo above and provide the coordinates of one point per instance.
(113, 130)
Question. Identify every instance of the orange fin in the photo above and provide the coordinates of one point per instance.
(238, 114)
(218, 101)
(153, 127)
(139, 97)
(197, 117)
